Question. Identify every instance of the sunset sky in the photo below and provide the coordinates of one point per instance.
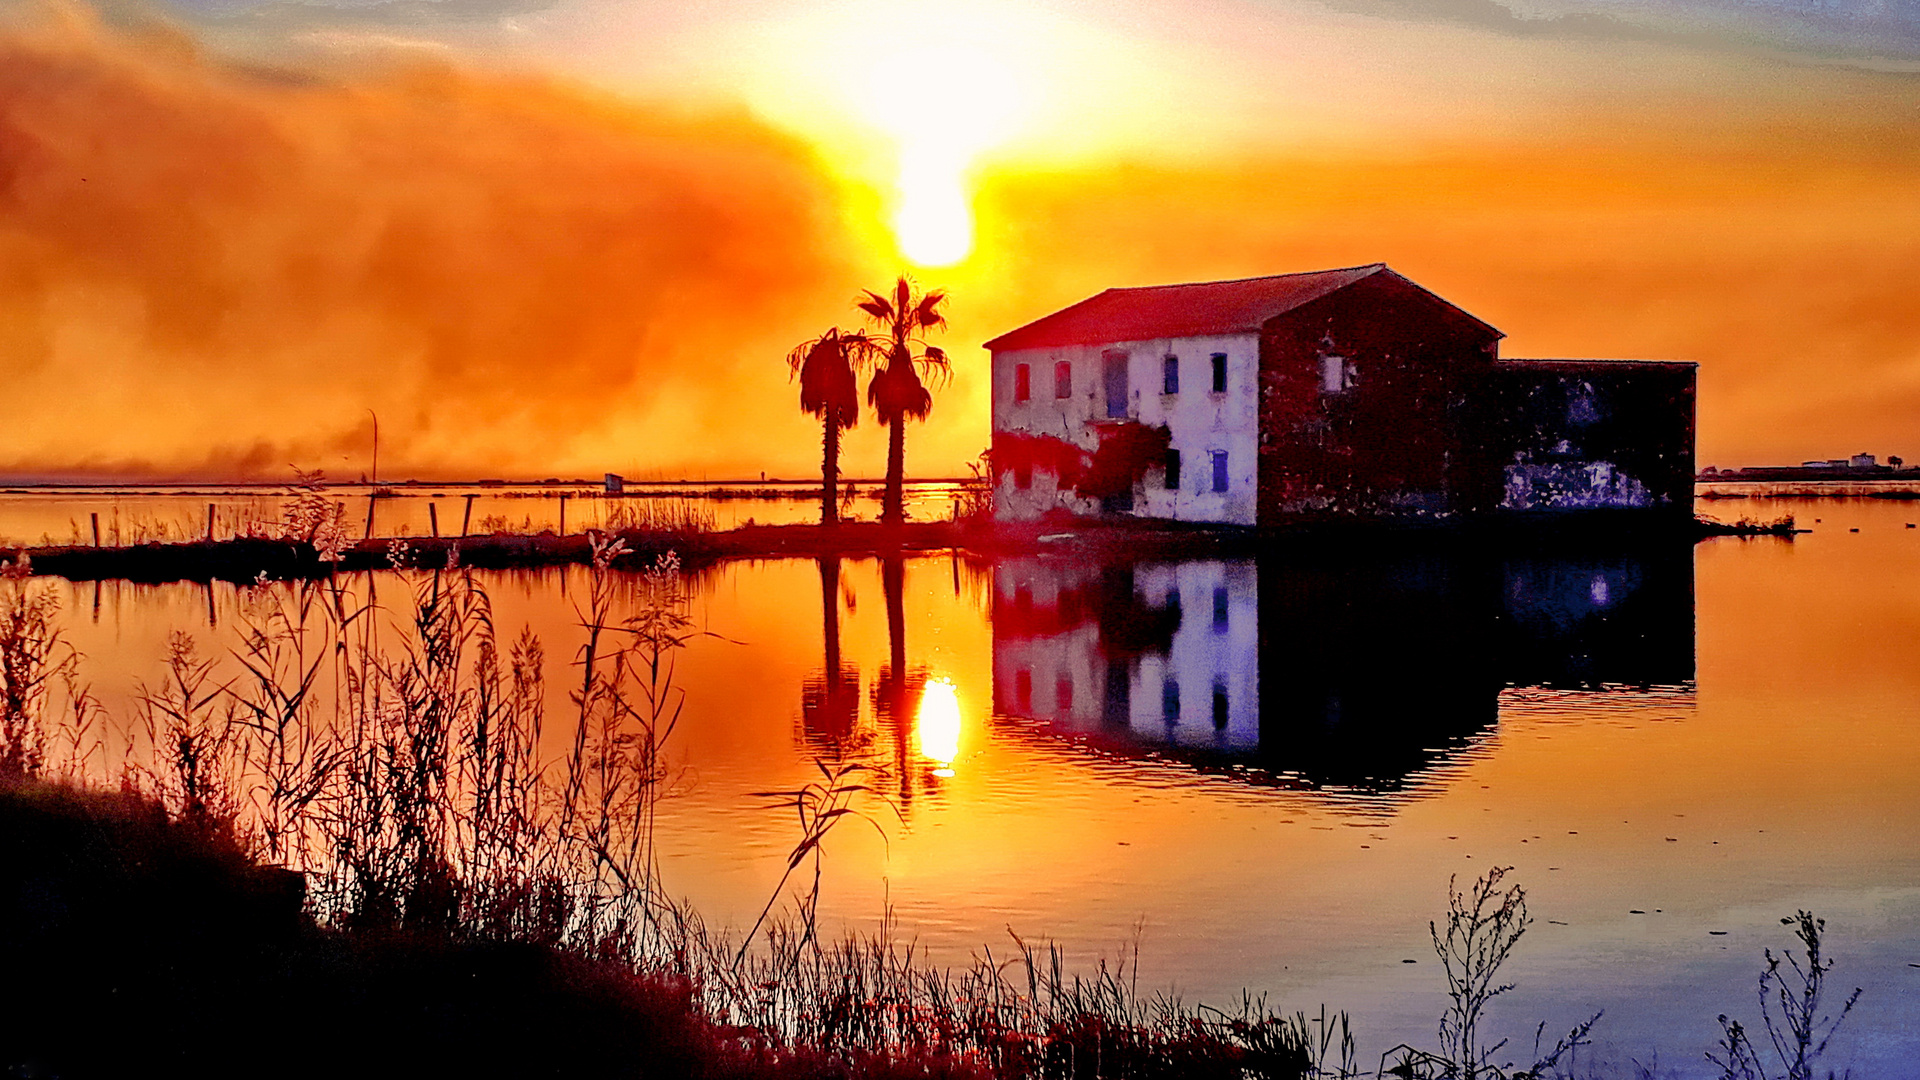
(563, 238)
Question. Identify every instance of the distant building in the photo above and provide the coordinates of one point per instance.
(1860, 461)
(1348, 392)
(616, 483)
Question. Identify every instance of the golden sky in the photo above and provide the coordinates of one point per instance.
(561, 238)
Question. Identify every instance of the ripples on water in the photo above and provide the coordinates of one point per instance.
(1265, 772)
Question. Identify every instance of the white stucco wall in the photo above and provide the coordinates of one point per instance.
(1201, 422)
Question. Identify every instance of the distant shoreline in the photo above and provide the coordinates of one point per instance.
(400, 488)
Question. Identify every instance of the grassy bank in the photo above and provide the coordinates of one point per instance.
(246, 559)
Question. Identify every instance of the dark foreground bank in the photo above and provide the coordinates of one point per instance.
(136, 945)
(139, 947)
(246, 559)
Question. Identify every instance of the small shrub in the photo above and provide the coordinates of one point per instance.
(1797, 1031)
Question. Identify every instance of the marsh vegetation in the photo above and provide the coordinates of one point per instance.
(399, 759)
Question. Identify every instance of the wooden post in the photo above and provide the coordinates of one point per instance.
(563, 513)
(371, 499)
(209, 523)
(96, 528)
(466, 519)
(433, 518)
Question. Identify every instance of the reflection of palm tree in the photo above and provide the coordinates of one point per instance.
(828, 390)
(894, 692)
(897, 392)
(830, 700)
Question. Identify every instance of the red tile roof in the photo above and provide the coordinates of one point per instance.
(1167, 311)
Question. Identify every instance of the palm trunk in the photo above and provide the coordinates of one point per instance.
(829, 470)
(893, 575)
(892, 512)
(830, 618)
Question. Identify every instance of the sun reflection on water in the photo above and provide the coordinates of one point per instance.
(938, 723)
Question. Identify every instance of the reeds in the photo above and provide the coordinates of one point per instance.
(397, 765)
(395, 760)
(44, 707)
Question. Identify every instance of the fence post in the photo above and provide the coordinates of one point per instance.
(96, 527)
(433, 518)
(466, 519)
(209, 523)
(563, 513)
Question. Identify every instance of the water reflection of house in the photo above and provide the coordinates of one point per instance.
(1168, 648)
(1347, 392)
(1353, 670)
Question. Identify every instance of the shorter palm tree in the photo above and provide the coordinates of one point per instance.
(825, 368)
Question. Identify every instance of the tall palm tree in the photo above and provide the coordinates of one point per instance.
(825, 367)
(897, 393)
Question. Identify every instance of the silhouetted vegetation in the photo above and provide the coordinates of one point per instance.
(1790, 1009)
(825, 368)
(897, 392)
(345, 851)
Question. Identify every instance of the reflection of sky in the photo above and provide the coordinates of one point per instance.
(1785, 782)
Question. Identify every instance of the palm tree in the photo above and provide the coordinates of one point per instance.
(829, 391)
(897, 393)
(830, 699)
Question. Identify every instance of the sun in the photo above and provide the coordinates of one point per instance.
(941, 104)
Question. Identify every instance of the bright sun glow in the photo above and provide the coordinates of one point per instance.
(938, 724)
(941, 104)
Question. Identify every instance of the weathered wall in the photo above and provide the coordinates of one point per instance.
(1592, 434)
(1389, 439)
(1200, 421)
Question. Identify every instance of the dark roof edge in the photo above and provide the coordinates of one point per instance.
(1375, 266)
(1596, 361)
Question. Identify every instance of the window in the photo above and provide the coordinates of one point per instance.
(1117, 706)
(1219, 705)
(1023, 598)
(1170, 375)
(1023, 476)
(1219, 470)
(1063, 694)
(1170, 701)
(1336, 374)
(1173, 470)
(1114, 370)
(1023, 690)
(1219, 373)
(1022, 382)
(1062, 379)
(1220, 607)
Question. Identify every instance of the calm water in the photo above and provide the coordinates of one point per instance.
(1263, 774)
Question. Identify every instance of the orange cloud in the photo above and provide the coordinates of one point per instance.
(211, 269)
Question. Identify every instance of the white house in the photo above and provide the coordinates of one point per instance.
(1351, 392)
